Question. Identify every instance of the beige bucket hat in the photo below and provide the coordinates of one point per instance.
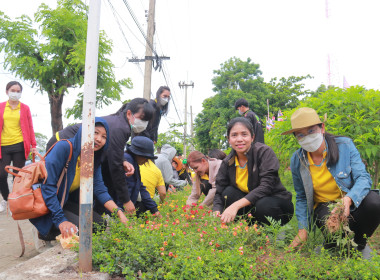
(303, 117)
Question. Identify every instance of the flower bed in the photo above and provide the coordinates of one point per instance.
(190, 243)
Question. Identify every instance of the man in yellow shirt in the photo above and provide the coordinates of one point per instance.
(152, 179)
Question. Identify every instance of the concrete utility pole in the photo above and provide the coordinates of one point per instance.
(88, 128)
(192, 126)
(181, 85)
(149, 51)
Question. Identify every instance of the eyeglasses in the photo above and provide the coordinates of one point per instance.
(312, 130)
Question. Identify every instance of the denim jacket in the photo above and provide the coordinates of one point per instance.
(349, 173)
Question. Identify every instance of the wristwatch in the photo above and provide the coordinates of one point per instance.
(119, 209)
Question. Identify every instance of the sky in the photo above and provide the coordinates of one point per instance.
(286, 38)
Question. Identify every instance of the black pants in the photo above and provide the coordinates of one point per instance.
(12, 153)
(270, 206)
(71, 211)
(363, 221)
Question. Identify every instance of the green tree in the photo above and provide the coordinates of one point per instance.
(236, 79)
(173, 137)
(286, 93)
(52, 57)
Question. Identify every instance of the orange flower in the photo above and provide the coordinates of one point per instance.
(234, 233)
(165, 243)
(162, 249)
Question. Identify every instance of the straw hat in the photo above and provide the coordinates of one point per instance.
(303, 117)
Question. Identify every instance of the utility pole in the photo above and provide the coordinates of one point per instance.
(149, 51)
(192, 126)
(185, 85)
(88, 128)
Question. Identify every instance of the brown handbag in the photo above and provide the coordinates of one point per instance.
(26, 201)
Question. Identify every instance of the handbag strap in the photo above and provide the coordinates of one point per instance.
(22, 242)
(64, 171)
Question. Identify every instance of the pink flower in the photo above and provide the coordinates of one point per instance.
(173, 233)
(199, 258)
(170, 254)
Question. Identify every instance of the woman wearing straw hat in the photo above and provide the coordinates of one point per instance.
(327, 168)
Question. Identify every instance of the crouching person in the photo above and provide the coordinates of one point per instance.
(204, 180)
(248, 181)
(325, 169)
(65, 219)
(138, 153)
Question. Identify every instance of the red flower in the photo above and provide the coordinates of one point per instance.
(200, 207)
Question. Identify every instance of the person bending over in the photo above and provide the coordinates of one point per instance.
(204, 180)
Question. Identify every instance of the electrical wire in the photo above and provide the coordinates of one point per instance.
(139, 26)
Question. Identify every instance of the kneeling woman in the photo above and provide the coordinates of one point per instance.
(204, 180)
(65, 219)
(248, 181)
(327, 168)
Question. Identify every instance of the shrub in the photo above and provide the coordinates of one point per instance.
(190, 243)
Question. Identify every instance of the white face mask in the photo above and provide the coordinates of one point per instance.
(139, 125)
(311, 142)
(241, 113)
(164, 101)
(14, 96)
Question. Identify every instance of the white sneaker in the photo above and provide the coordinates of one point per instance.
(3, 206)
(41, 245)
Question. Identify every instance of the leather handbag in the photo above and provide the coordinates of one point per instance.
(26, 201)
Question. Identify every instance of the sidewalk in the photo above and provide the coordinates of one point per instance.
(10, 246)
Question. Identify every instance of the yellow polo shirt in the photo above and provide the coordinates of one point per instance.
(325, 187)
(205, 177)
(151, 177)
(11, 133)
(76, 182)
(241, 176)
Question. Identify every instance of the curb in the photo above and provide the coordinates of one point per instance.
(55, 263)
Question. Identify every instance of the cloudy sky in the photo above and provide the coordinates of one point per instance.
(286, 38)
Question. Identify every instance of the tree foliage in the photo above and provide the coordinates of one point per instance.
(52, 57)
(242, 79)
(173, 137)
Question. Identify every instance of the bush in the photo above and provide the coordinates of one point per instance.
(189, 243)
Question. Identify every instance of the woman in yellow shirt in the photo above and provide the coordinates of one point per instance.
(248, 181)
(17, 135)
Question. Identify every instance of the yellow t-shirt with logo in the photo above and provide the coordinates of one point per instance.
(325, 187)
(241, 176)
(151, 177)
(11, 133)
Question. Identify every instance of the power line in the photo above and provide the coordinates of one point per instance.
(139, 26)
